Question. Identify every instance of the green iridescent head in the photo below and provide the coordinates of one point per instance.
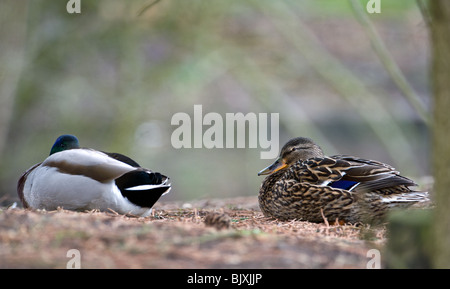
(65, 142)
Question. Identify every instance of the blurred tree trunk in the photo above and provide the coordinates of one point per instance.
(440, 32)
(13, 16)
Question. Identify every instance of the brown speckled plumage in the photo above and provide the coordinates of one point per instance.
(306, 185)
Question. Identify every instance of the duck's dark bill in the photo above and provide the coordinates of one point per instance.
(276, 166)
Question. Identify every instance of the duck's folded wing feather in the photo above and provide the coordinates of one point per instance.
(21, 185)
(350, 173)
(357, 160)
(143, 187)
(90, 163)
(123, 158)
(372, 175)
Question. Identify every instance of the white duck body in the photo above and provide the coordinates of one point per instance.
(85, 179)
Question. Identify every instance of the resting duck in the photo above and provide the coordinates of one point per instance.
(305, 184)
(81, 179)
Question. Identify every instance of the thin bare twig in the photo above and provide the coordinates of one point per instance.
(388, 62)
(325, 220)
(146, 7)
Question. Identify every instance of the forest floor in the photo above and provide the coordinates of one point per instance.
(216, 233)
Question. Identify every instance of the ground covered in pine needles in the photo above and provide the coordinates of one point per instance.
(229, 233)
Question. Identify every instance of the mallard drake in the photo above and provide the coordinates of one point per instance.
(305, 184)
(82, 179)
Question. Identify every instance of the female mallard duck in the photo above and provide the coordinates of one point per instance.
(81, 179)
(305, 184)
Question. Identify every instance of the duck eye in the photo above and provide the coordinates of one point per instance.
(293, 149)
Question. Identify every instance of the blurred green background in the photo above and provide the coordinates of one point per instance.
(115, 75)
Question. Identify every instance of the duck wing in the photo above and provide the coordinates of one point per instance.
(372, 175)
(21, 185)
(124, 159)
(90, 163)
(349, 173)
(142, 187)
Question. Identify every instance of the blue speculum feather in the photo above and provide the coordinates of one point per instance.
(343, 184)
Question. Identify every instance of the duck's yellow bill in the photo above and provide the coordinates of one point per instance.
(276, 166)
